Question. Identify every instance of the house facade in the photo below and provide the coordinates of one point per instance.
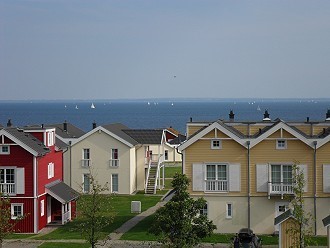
(31, 174)
(244, 170)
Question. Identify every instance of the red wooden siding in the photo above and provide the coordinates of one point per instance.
(42, 219)
(73, 209)
(39, 136)
(25, 225)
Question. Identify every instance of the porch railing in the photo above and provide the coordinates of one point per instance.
(8, 188)
(280, 188)
(216, 185)
(114, 162)
(85, 162)
(66, 217)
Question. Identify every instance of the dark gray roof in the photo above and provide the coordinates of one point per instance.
(178, 140)
(62, 192)
(29, 140)
(60, 144)
(117, 129)
(279, 219)
(146, 136)
(326, 221)
(71, 132)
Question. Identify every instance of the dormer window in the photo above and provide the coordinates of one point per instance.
(216, 144)
(51, 140)
(4, 150)
(281, 144)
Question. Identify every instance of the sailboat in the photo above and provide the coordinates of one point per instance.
(76, 106)
(92, 106)
(258, 108)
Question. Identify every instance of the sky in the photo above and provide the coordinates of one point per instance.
(138, 49)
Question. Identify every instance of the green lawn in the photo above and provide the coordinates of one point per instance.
(63, 245)
(121, 208)
(171, 170)
(20, 236)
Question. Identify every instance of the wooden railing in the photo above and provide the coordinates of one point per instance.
(216, 185)
(7, 188)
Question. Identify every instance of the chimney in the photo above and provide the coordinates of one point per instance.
(231, 115)
(266, 116)
(190, 119)
(328, 115)
(65, 126)
(9, 124)
(94, 125)
(307, 120)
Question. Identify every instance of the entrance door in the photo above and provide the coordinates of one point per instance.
(49, 209)
(280, 208)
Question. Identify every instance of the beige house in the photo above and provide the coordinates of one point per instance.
(244, 170)
(126, 159)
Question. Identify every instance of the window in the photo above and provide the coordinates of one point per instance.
(216, 177)
(42, 207)
(229, 210)
(7, 181)
(50, 170)
(4, 150)
(86, 183)
(281, 178)
(16, 210)
(166, 155)
(50, 138)
(114, 183)
(281, 144)
(114, 161)
(86, 157)
(203, 211)
(216, 144)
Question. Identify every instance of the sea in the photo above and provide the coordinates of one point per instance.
(157, 113)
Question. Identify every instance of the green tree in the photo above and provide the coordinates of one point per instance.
(302, 231)
(91, 209)
(7, 225)
(179, 223)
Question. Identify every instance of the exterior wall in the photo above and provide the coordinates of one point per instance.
(173, 155)
(42, 219)
(100, 145)
(25, 225)
(133, 171)
(66, 166)
(193, 129)
(286, 239)
(141, 167)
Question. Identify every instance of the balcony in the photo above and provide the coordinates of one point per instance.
(216, 185)
(114, 162)
(280, 189)
(86, 162)
(7, 188)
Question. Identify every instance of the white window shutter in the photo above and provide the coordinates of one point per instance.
(20, 181)
(326, 178)
(304, 169)
(262, 177)
(234, 177)
(198, 177)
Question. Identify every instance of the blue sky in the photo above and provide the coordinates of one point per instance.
(70, 49)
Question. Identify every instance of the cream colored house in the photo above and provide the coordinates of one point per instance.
(123, 158)
(244, 170)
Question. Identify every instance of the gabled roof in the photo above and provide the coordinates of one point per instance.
(61, 192)
(118, 129)
(326, 221)
(71, 131)
(178, 140)
(25, 140)
(60, 144)
(283, 217)
(146, 136)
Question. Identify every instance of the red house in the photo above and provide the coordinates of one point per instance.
(31, 173)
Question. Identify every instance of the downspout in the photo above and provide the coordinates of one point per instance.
(315, 143)
(35, 198)
(177, 150)
(248, 178)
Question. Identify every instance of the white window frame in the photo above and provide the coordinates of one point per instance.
(86, 160)
(114, 162)
(229, 210)
(50, 136)
(83, 184)
(112, 190)
(217, 185)
(5, 153)
(42, 207)
(204, 210)
(216, 144)
(8, 185)
(51, 169)
(166, 155)
(281, 144)
(12, 206)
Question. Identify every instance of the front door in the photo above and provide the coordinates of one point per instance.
(49, 209)
(280, 208)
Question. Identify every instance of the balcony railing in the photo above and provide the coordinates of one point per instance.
(280, 188)
(7, 188)
(85, 162)
(216, 185)
(114, 162)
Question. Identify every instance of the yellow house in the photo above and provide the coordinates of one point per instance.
(244, 170)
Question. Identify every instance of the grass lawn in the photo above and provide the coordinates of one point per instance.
(171, 170)
(63, 245)
(121, 208)
(19, 236)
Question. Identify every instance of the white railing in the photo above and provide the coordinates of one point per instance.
(147, 179)
(160, 162)
(85, 162)
(65, 217)
(8, 188)
(280, 188)
(216, 185)
(114, 162)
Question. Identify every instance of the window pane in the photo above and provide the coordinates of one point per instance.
(10, 175)
(210, 172)
(2, 175)
(114, 182)
(114, 153)
(86, 183)
(287, 173)
(276, 173)
(86, 153)
(222, 172)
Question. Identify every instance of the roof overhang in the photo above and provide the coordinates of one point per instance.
(326, 221)
(61, 192)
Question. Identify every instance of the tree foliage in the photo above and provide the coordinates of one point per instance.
(179, 223)
(91, 209)
(302, 231)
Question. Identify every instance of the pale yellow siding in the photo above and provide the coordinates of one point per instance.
(305, 129)
(193, 129)
(244, 129)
